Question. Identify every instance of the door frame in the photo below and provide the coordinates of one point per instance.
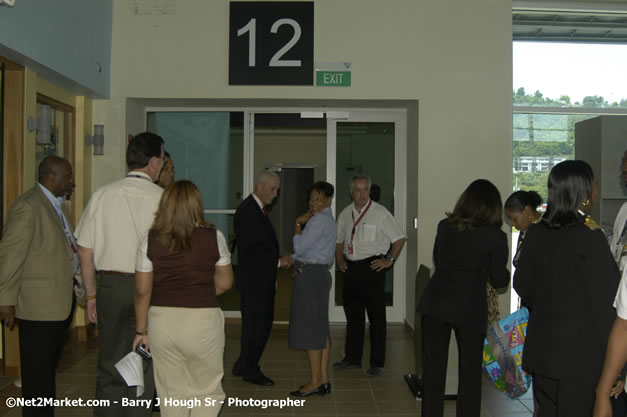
(396, 312)
(398, 116)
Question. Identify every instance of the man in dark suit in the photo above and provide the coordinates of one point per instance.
(258, 253)
(37, 264)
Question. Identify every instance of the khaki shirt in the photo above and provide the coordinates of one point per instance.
(116, 218)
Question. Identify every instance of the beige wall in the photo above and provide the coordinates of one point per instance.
(453, 56)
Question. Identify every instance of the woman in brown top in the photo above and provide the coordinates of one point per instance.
(181, 266)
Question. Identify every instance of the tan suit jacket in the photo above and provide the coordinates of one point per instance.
(36, 261)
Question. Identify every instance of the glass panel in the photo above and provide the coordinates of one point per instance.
(554, 74)
(207, 148)
(57, 136)
(365, 148)
(540, 142)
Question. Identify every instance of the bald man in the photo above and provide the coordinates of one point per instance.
(38, 260)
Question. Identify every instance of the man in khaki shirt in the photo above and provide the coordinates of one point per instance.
(116, 218)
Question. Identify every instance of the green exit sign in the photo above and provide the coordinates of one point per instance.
(333, 74)
(333, 78)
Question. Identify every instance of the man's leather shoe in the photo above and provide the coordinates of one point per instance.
(262, 380)
(344, 364)
(375, 371)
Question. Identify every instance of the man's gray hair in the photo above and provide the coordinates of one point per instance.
(263, 176)
(360, 178)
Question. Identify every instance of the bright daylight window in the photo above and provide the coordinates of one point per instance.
(556, 85)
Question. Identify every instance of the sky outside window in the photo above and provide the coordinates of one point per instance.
(575, 70)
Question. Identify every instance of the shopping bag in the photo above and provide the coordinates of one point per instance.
(502, 354)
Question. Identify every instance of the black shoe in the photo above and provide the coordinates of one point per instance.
(327, 388)
(262, 380)
(321, 390)
(375, 371)
(345, 364)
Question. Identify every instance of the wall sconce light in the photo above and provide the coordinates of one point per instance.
(43, 124)
(97, 140)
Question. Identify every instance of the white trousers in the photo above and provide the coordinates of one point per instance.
(187, 346)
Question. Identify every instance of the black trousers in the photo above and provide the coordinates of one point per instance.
(257, 316)
(41, 344)
(364, 292)
(570, 397)
(436, 335)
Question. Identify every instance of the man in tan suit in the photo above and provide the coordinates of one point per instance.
(37, 264)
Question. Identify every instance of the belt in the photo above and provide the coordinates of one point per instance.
(363, 261)
(305, 263)
(123, 274)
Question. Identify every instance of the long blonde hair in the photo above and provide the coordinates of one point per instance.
(180, 212)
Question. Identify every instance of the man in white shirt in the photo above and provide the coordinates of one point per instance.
(365, 231)
(115, 220)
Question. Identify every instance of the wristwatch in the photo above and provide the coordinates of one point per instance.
(391, 258)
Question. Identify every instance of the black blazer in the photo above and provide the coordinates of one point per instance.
(568, 279)
(464, 261)
(257, 248)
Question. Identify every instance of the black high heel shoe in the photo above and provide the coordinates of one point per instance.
(321, 390)
(326, 388)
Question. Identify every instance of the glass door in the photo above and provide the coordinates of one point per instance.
(370, 143)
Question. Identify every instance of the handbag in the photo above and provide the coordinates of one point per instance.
(502, 354)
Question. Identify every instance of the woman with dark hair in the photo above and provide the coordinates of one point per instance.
(181, 266)
(521, 208)
(314, 250)
(470, 249)
(567, 276)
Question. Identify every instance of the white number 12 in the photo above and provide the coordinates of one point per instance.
(275, 61)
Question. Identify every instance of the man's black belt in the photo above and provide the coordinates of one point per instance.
(364, 261)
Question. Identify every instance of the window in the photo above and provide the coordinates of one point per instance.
(556, 85)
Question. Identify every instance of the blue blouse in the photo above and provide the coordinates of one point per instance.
(316, 243)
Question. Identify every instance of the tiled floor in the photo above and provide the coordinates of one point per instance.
(353, 394)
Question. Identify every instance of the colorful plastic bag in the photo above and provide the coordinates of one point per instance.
(502, 354)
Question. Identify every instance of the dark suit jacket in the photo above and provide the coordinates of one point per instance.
(36, 261)
(568, 279)
(257, 248)
(464, 261)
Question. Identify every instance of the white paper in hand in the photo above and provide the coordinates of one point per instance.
(131, 368)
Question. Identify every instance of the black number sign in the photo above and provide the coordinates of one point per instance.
(271, 43)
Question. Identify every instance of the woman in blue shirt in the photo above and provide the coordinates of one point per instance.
(314, 249)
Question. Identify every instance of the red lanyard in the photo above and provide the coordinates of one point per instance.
(361, 216)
